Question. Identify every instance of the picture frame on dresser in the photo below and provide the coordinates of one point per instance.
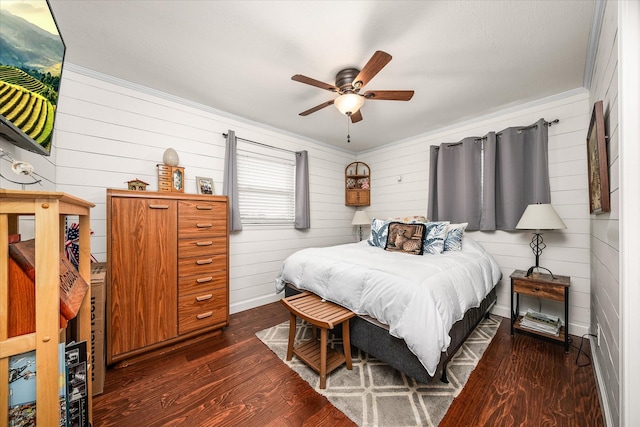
(205, 185)
(598, 165)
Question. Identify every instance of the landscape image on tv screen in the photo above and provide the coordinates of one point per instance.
(31, 57)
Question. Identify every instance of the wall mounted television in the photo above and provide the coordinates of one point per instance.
(31, 57)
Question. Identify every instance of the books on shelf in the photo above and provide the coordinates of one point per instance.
(541, 322)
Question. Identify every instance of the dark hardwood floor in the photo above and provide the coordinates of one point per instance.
(232, 379)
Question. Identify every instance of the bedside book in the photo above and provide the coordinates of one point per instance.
(541, 322)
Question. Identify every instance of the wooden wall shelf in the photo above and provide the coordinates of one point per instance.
(357, 184)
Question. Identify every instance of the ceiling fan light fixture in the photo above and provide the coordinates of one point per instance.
(348, 103)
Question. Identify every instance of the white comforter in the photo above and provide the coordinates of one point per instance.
(418, 296)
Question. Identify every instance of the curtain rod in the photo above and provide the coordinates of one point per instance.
(548, 124)
(263, 145)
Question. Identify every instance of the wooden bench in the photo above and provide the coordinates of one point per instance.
(323, 315)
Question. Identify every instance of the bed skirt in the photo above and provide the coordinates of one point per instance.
(373, 338)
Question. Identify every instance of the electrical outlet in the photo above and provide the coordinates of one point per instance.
(598, 335)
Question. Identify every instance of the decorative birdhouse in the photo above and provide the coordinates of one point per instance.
(137, 184)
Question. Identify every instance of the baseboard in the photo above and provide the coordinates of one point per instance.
(253, 303)
(604, 401)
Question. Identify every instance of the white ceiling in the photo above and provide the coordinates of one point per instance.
(463, 58)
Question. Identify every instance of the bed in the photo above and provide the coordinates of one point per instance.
(414, 311)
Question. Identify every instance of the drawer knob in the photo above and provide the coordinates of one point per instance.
(159, 206)
(204, 207)
(209, 243)
(204, 225)
(204, 297)
(537, 289)
(204, 315)
(204, 261)
(204, 279)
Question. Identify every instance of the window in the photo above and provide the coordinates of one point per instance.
(266, 184)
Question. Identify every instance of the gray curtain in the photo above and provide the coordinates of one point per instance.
(230, 184)
(458, 196)
(488, 182)
(522, 172)
(303, 217)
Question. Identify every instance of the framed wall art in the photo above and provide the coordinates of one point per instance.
(205, 185)
(598, 169)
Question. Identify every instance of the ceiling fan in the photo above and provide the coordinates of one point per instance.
(349, 82)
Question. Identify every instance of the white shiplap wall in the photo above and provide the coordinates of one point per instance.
(399, 186)
(110, 131)
(604, 228)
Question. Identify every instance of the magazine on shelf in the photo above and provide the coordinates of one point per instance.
(541, 322)
(77, 385)
(22, 388)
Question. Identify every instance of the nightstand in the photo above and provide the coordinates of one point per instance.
(544, 286)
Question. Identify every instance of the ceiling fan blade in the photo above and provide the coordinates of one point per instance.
(316, 108)
(356, 117)
(313, 82)
(375, 64)
(389, 95)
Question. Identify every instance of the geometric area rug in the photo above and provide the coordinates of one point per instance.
(375, 394)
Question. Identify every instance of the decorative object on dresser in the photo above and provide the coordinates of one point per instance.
(539, 217)
(170, 157)
(360, 218)
(137, 185)
(205, 185)
(170, 175)
(167, 269)
(545, 286)
(357, 184)
(170, 179)
(598, 164)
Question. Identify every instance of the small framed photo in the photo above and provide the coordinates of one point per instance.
(205, 185)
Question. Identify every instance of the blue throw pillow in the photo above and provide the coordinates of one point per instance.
(455, 232)
(434, 236)
(379, 232)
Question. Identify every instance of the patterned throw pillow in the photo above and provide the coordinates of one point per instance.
(455, 232)
(410, 219)
(379, 231)
(403, 237)
(434, 236)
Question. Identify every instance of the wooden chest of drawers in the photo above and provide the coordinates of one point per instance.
(167, 269)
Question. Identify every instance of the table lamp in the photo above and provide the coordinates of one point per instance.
(360, 218)
(539, 217)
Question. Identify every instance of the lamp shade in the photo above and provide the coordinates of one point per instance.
(360, 218)
(349, 103)
(540, 217)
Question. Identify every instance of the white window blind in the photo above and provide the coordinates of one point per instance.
(266, 185)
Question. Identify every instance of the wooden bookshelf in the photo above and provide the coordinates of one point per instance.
(49, 211)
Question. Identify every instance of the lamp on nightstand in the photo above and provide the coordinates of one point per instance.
(360, 218)
(539, 217)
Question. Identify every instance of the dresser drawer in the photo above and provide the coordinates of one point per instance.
(205, 265)
(201, 247)
(201, 283)
(197, 208)
(202, 310)
(546, 290)
(201, 227)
